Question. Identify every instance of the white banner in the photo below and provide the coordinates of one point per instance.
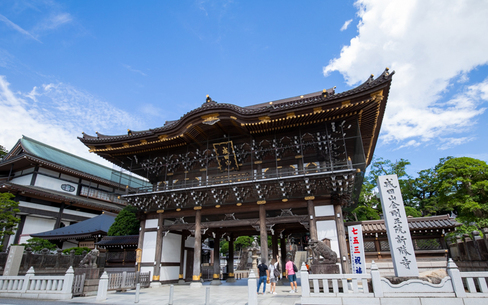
(358, 263)
(401, 247)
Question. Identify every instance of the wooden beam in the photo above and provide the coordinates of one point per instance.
(230, 208)
(237, 223)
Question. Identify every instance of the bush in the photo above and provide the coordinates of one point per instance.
(78, 250)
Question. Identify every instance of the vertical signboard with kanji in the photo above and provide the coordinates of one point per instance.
(401, 247)
(356, 244)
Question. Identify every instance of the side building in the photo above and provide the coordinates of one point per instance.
(283, 169)
(56, 189)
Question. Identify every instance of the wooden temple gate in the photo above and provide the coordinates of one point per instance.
(223, 171)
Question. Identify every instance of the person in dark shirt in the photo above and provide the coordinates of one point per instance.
(263, 276)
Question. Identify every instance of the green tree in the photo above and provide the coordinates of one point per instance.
(425, 190)
(38, 244)
(8, 208)
(243, 242)
(224, 246)
(3, 151)
(463, 188)
(369, 205)
(125, 223)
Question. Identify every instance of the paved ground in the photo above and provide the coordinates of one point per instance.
(225, 294)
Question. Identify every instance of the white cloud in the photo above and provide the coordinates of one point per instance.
(17, 28)
(133, 70)
(53, 22)
(346, 24)
(151, 110)
(447, 143)
(56, 114)
(430, 44)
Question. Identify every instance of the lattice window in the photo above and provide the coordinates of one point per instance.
(427, 244)
(384, 245)
(369, 246)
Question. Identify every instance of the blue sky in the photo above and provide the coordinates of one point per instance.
(106, 66)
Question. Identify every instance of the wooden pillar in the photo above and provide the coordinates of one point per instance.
(20, 228)
(311, 219)
(341, 236)
(181, 276)
(140, 243)
(34, 175)
(216, 260)
(159, 249)
(274, 245)
(263, 234)
(230, 261)
(60, 216)
(197, 250)
(283, 255)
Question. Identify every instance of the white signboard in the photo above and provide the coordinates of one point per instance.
(401, 247)
(356, 244)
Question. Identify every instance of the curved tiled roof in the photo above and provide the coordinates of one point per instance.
(96, 225)
(43, 153)
(414, 224)
(62, 196)
(288, 104)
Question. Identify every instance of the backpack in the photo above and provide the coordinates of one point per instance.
(295, 269)
(276, 272)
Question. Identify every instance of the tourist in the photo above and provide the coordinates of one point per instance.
(263, 276)
(291, 274)
(274, 275)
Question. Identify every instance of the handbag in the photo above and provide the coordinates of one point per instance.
(267, 280)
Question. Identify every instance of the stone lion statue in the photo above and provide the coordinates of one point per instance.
(319, 248)
(90, 259)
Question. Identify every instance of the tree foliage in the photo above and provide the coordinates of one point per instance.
(8, 208)
(125, 223)
(78, 250)
(455, 185)
(38, 244)
(463, 187)
(369, 205)
(3, 151)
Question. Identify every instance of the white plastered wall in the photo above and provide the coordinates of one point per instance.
(54, 184)
(151, 223)
(170, 254)
(149, 247)
(35, 225)
(324, 210)
(24, 180)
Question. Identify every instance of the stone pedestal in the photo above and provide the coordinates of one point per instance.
(92, 279)
(196, 285)
(324, 269)
(91, 273)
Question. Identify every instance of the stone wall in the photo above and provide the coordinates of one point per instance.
(48, 263)
(471, 254)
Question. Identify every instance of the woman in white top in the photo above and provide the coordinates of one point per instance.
(272, 277)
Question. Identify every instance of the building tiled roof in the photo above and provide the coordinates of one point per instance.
(96, 225)
(414, 223)
(288, 104)
(45, 152)
(62, 196)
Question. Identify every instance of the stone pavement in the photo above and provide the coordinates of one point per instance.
(227, 293)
